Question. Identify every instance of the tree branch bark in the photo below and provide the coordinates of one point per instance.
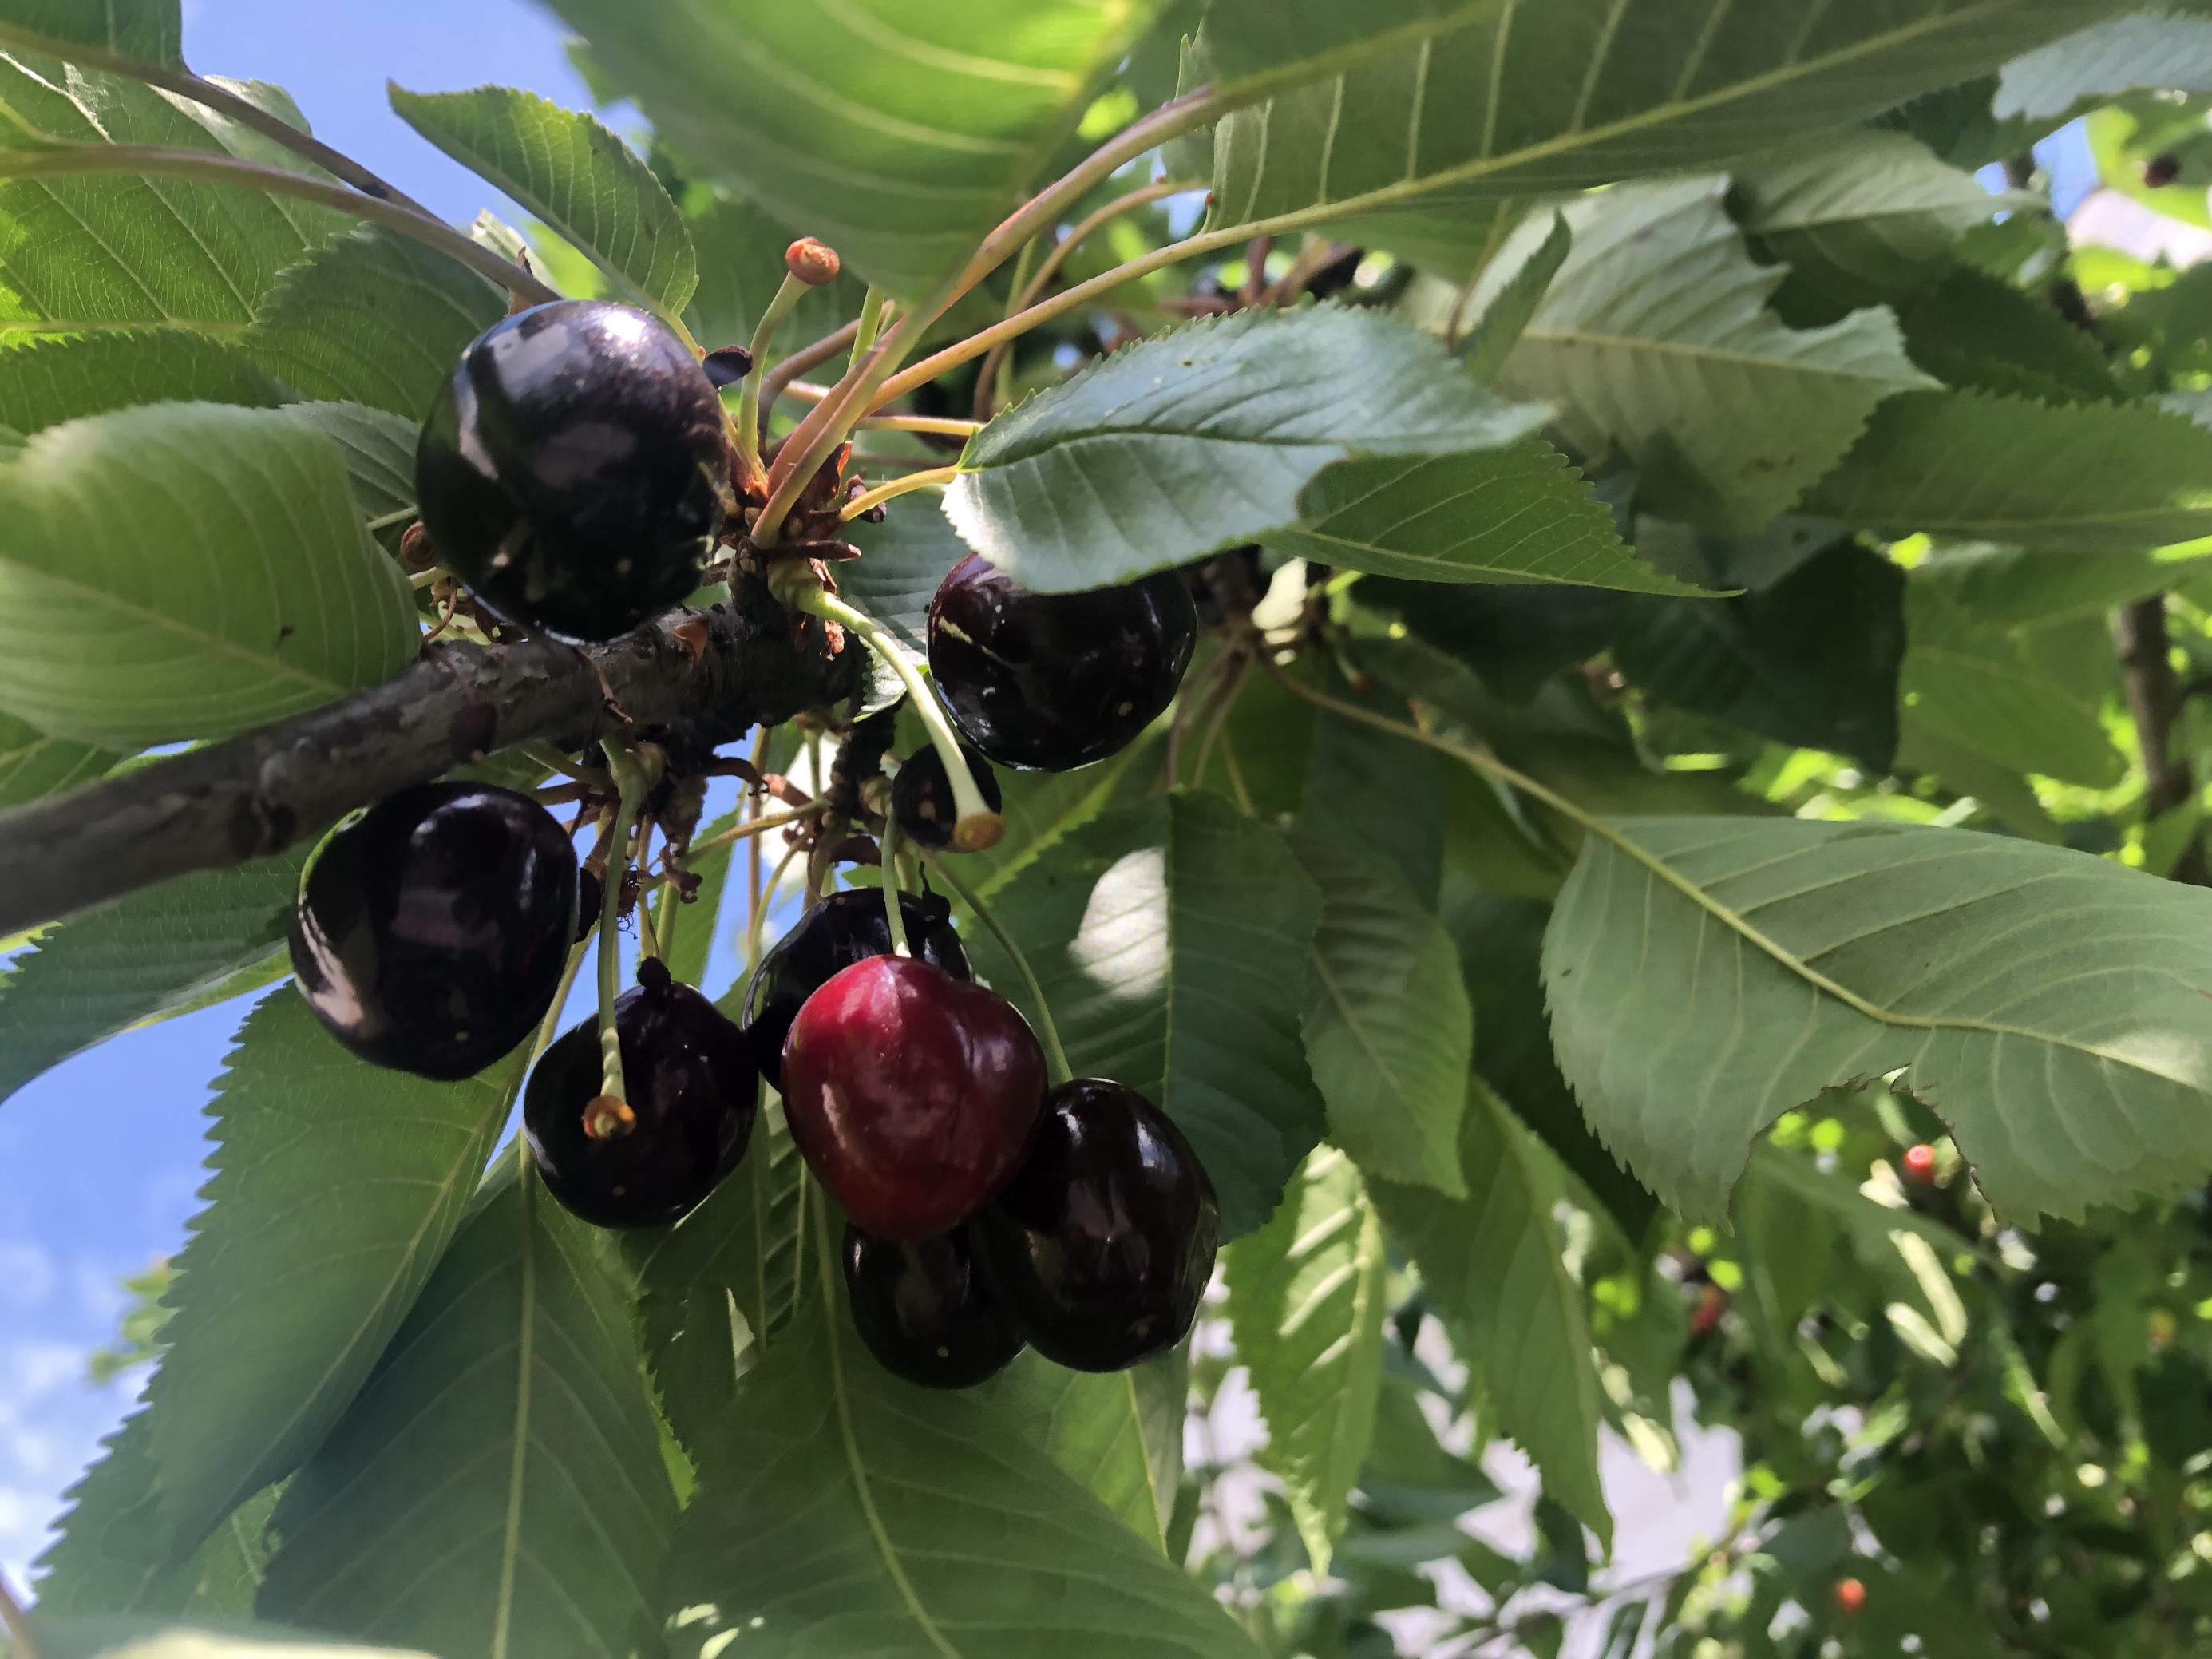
(2155, 700)
(745, 663)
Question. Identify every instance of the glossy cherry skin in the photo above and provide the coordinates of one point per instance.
(432, 930)
(1053, 681)
(571, 471)
(922, 795)
(912, 1094)
(843, 929)
(1100, 1248)
(690, 1076)
(922, 1311)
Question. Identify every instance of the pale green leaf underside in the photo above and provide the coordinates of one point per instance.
(1565, 94)
(2091, 478)
(102, 973)
(1164, 936)
(49, 382)
(2152, 49)
(497, 1488)
(1492, 1260)
(1117, 1434)
(119, 1639)
(335, 1188)
(1706, 976)
(1865, 213)
(373, 319)
(1204, 437)
(896, 140)
(32, 765)
(1518, 514)
(843, 1511)
(569, 170)
(151, 31)
(1389, 1030)
(1655, 339)
(1254, 42)
(1307, 1294)
(90, 254)
(188, 570)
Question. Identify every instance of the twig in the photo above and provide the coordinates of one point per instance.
(2155, 699)
(249, 796)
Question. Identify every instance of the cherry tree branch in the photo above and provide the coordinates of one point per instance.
(748, 663)
(2155, 699)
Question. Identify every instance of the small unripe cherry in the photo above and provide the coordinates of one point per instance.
(1705, 1318)
(1851, 1597)
(1919, 1164)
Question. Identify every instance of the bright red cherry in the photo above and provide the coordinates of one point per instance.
(432, 930)
(1920, 1164)
(843, 929)
(693, 1095)
(1101, 1246)
(1054, 681)
(1851, 1597)
(912, 1094)
(922, 1311)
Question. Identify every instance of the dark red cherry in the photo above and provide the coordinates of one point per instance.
(923, 1313)
(1101, 1246)
(432, 930)
(922, 795)
(590, 895)
(843, 929)
(693, 1093)
(911, 1094)
(1052, 681)
(572, 471)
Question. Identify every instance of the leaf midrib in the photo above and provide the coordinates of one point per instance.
(1791, 961)
(863, 1490)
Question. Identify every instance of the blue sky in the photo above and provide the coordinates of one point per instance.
(101, 1156)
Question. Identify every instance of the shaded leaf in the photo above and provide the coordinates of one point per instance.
(1387, 1028)
(1307, 1294)
(268, 597)
(897, 147)
(1705, 976)
(1492, 1260)
(503, 1453)
(904, 559)
(102, 973)
(32, 765)
(1657, 338)
(568, 170)
(1513, 306)
(151, 31)
(379, 451)
(842, 1510)
(1160, 934)
(1378, 794)
(49, 382)
(2031, 699)
(373, 319)
(1204, 437)
(1118, 1434)
(335, 1186)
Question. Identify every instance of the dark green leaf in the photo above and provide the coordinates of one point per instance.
(50, 381)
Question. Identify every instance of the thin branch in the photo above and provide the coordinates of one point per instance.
(778, 380)
(155, 160)
(2155, 699)
(251, 796)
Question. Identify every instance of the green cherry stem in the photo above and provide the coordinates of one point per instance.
(975, 826)
(17, 1624)
(787, 296)
(629, 778)
(554, 761)
(887, 846)
(870, 324)
(1055, 1056)
(936, 477)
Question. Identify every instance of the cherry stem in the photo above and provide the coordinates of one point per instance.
(887, 846)
(155, 160)
(975, 826)
(1055, 1056)
(629, 777)
(870, 323)
(554, 761)
(788, 294)
(760, 826)
(778, 380)
(1025, 292)
(937, 477)
(939, 426)
(17, 1624)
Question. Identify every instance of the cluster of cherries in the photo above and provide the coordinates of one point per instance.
(574, 473)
